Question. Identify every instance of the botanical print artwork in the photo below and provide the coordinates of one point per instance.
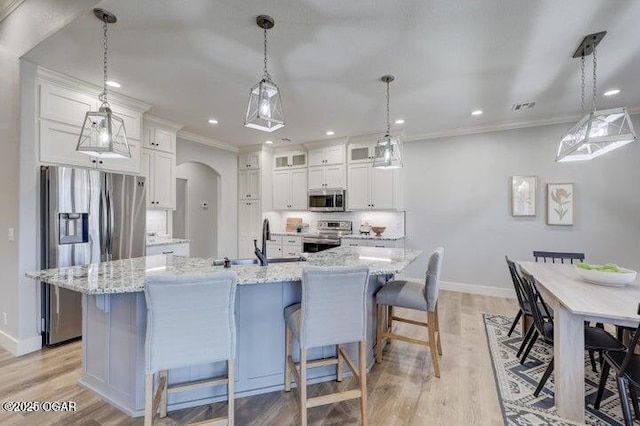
(560, 204)
(523, 196)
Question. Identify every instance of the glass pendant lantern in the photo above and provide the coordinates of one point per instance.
(388, 151)
(265, 107)
(103, 133)
(599, 131)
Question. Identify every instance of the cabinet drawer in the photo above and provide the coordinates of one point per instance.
(353, 243)
(381, 243)
(275, 239)
(292, 240)
(289, 250)
(181, 249)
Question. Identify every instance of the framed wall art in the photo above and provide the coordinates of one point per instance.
(560, 204)
(523, 196)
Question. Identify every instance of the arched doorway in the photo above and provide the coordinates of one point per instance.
(197, 204)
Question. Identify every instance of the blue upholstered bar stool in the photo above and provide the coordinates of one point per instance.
(190, 321)
(412, 295)
(332, 312)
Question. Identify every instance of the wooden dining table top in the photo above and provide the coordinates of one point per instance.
(617, 305)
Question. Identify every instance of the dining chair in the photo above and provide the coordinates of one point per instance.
(416, 296)
(558, 257)
(595, 338)
(333, 311)
(627, 368)
(190, 322)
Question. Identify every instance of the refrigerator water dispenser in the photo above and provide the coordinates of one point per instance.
(74, 228)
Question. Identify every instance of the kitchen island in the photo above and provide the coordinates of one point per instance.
(114, 321)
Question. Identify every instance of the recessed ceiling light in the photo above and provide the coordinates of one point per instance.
(477, 112)
(268, 142)
(213, 121)
(400, 121)
(113, 83)
(330, 133)
(612, 92)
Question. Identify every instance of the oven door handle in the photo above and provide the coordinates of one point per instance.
(317, 241)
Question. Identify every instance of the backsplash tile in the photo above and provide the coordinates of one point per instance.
(393, 221)
(157, 222)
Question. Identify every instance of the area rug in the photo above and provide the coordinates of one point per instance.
(516, 382)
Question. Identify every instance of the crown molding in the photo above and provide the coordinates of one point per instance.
(161, 121)
(502, 126)
(192, 137)
(9, 7)
(326, 142)
(73, 83)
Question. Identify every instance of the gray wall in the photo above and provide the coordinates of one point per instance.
(457, 193)
(202, 223)
(225, 163)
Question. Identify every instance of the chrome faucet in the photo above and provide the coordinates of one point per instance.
(266, 235)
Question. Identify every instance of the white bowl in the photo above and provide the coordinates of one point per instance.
(616, 279)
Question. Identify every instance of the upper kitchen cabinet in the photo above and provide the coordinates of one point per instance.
(327, 167)
(369, 188)
(361, 153)
(249, 161)
(63, 102)
(294, 159)
(290, 189)
(249, 185)
(326, 155)
(159, 162)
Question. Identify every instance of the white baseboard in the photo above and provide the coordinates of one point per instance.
(471, 288)
(20, 347)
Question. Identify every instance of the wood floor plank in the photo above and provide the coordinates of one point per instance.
(402, 390)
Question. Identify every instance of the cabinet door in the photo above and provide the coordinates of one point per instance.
(146, 170)
(298, 159)
(289, 250)
(383, 189)
(298, 189)
(164, 180)
(360, 154)
(249, 161)
(248, 184)
(316, 157)
(58, 143)
(248, 226)
(131, 119)
(332, 155)
(281, 190)
(358, 187)
(124, 165)
(165, 141)
(64, 105)
(281, 161)
(274, 250)
(316, 177)
(334, 176)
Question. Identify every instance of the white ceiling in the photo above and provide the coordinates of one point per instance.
(197, 59)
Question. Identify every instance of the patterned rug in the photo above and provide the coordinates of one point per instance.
(517, 382)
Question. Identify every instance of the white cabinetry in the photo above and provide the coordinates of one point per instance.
(249, 161)
(326, 167)
(159, 164)
(371, 242)
(290, 189)
(61, 115)
(284, 246)
(290, 160)
(249, 215)
(370, 188)
(177, 249)
(248, 184)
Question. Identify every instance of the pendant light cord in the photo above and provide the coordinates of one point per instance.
(388, 123)
(266, 76)
(595, 65)
(103, 95)
(582, 83)
(582, 60)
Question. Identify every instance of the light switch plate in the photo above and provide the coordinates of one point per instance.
(11, 234)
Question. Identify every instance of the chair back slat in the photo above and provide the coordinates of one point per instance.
(557, 256)
(190, 320)
(333, 305)
(432, 280)
(523, 298)
(536, 301)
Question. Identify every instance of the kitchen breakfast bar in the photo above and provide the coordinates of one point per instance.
(114, 321)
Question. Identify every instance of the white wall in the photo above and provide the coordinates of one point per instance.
(225, 163)
(202, 222)
(29, 24)
(457, 193)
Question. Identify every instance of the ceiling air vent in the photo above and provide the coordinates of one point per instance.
(286, 140)
(520, 107)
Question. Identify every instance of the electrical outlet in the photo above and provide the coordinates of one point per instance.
(11, 234)
(4, 318)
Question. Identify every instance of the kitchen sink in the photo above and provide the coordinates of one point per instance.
(254, 261)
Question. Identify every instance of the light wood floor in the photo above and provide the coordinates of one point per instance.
(402, 390)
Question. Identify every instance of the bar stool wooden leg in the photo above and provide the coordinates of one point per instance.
(389, 318)
(148, 400)
(164, 375)
(379, 333)
(363, 381)
(438, 330)
(231, 391)
(340, 364)
(288, 351)
(432, 342)
(302, 387)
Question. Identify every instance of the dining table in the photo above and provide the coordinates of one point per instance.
(575, 301)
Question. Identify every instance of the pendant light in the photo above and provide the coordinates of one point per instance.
(265, 107)
(599, 131)
(103, 134)
(388, 152)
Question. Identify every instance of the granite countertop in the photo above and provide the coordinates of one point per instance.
(165, 241)
(372, 236)
(128, 275)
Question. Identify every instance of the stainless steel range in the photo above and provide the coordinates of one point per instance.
(329, 233)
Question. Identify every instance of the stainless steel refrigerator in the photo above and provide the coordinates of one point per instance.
(87, 216)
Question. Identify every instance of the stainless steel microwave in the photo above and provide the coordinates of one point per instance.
(326, 200)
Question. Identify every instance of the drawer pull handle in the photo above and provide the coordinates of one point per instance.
(167, 252)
